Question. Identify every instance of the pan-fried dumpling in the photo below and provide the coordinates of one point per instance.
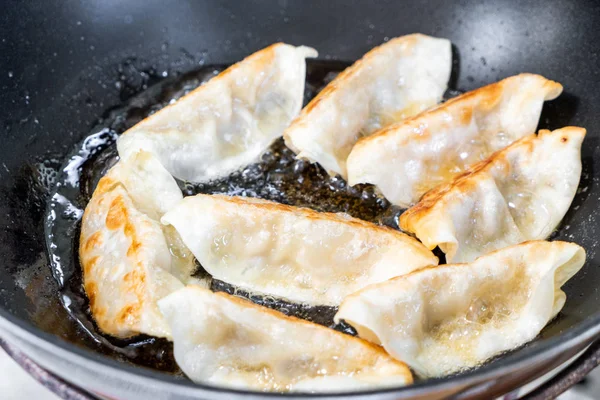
(520, 193)
(129, 259)
(393, 81)
(229, 121)
(294, 253)
(407, 159)
(224, 340)
(445, 319)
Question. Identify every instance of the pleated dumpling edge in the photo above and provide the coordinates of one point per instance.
(449, 318)
(229, 121)
(223, 340)
(393, 81)
(411, 157)
(129, 260)
(294, 253)
(519, 193)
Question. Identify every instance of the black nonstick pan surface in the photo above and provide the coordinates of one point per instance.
(69, 69)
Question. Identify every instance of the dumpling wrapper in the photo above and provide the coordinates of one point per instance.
(229, 121)
(293, 253)
(452, 317)
(129, 259)
(407, 159)
(393, 81)
(227, 341)
(520, 193)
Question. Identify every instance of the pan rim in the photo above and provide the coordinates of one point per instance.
(585, 331)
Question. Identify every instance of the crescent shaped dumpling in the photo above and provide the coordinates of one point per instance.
(393, 81)
(452, 317)
(520, 193)
(129, 259)
(224, 340)
(228, 122)
(407, 159)
(294, 253)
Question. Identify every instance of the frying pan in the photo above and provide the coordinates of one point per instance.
(65, 63)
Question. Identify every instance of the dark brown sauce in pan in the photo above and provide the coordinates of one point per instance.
(277, 176)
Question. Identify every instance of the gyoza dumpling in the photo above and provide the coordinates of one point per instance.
(407, 159)
(445, 319)
(224, 340)
(520, 193)
(229, 121)
(294, 253)
(393, 81)
(129, 259)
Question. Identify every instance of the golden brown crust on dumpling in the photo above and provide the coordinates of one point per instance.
(123, 251)
(133, 282)
(469, 179)
(117, 214)
(95, 240)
